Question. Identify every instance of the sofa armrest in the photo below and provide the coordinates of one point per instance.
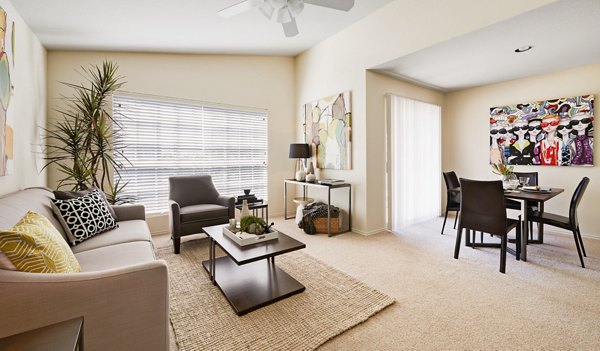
(229, 202)
(124, 308)
(174, 219)
(130, 212)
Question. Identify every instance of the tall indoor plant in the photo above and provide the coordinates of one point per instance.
(82, 144)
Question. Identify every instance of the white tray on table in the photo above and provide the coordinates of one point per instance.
(251, 239)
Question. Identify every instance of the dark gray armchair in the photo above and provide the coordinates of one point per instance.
(195, 203)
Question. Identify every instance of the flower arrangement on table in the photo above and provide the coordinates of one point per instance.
(509, 180)
(251, 226)
(502, 169)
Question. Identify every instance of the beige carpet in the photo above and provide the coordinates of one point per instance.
(202, 318)
(546, 303)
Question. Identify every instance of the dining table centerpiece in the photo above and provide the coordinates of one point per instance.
(507, 175)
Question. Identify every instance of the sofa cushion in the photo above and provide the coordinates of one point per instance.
(115, 256)
(84, 216)
(128, 231)
(203, 212)
(68, 195)
(15, 205)
(34, 245)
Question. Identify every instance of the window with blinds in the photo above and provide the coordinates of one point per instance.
(163, 138)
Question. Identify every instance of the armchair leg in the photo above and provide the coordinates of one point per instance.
(176, 245)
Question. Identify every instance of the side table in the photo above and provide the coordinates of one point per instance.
(255, 206)
(62, 336)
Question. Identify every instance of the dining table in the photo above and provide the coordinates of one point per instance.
(535, 196)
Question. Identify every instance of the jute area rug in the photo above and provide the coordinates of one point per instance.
(202, 319)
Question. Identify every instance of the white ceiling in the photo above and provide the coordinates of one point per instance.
(564, 34)
(180, 26)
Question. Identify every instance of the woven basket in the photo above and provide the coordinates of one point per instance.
(321, 224)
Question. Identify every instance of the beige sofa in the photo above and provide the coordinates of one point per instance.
(122, 290)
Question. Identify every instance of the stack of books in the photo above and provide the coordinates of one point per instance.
(330, 181)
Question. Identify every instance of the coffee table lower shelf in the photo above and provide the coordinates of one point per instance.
(252, 285)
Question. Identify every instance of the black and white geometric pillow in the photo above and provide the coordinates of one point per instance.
(84, 217)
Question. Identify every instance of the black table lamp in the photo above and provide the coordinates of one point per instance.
(299, 151)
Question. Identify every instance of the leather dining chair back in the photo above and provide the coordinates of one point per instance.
(452, 196)
(533, 177)
(576, 199)
(571, 222)
(482, 208)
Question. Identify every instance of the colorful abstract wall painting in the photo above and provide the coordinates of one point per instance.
(6, 89)
(328, 124)
(554, 132)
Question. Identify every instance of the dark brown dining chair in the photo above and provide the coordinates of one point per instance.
(452, 196)
(571, 222)
(531, 205)
(482, 208)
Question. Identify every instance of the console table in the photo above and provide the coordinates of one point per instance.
(327, 187)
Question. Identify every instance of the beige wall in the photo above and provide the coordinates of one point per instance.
(339, 63)
(27, 108)
(466, 128)
(253, 81)
(378, 86)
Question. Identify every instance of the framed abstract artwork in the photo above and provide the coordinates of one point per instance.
(328, 129)
(7, 32)
(553, 132)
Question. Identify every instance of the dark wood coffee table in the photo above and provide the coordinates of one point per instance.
(248, 276)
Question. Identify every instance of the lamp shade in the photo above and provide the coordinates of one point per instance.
(299, 151)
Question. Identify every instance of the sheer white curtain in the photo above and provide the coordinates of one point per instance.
(414, 156)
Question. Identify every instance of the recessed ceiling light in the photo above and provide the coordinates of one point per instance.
(524, 48)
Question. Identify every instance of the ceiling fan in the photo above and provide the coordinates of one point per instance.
(284, 11)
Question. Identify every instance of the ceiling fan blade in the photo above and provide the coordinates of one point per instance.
(290, 29)
(342, 5)
(240, 7)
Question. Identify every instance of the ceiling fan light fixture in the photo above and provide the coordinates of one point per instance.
(278, 4)
(267, 9)
(296, 7)
(283, 15)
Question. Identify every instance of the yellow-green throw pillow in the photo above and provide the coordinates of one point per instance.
(34, 245)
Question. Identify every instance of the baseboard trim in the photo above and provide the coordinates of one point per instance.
(160, 232)
(565, 232)
(369, 232)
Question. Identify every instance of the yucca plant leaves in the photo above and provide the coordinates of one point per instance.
(81, 145)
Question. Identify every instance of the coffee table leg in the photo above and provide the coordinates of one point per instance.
(212, 263)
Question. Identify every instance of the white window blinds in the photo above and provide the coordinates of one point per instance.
(164, 138)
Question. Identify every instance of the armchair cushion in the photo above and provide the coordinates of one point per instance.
(192, 190)
(202, 212)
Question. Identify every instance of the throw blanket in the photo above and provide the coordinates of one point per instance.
(313, 211)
